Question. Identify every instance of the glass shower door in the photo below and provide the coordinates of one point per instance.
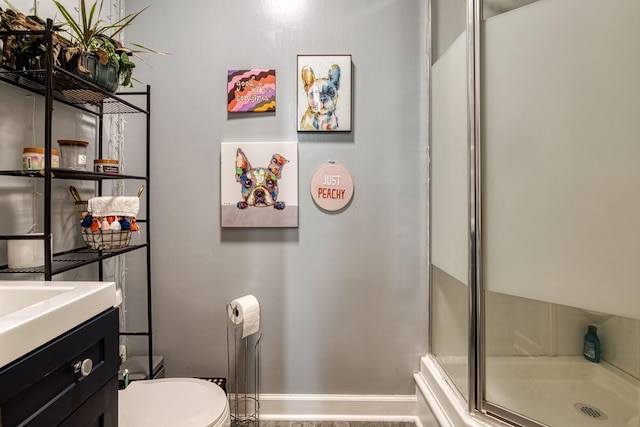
(561, 144)
(449, 225)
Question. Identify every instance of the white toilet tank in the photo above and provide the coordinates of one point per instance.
(173, 402)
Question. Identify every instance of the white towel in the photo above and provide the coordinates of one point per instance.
(114, 206)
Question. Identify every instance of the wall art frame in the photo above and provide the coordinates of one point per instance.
(324, 93)
(251, 91)
(259, 184)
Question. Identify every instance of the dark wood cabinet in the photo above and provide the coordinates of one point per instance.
(100, 410)
(69, 381)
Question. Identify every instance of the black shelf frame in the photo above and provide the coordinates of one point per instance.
(72, 259)
(60, 173)
(70, 90)
(56, 84)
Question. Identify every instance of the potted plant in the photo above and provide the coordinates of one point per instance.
(25, 51)
(90, 48)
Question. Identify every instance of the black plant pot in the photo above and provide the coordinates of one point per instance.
(104, 76)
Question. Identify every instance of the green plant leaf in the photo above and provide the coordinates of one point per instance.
(146, 49)
(126, 81)
(126, 61)
(89, 27)
(83, 15)
(11, 6)
(126, 21)
(90, 33)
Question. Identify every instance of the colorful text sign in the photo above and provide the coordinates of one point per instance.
(331, 187)
(251, 91)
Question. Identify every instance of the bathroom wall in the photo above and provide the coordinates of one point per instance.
(343, 296)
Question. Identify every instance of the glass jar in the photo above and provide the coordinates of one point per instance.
(73, 154)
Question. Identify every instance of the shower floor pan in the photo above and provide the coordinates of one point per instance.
(564, 391)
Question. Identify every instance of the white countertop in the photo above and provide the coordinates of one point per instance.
(34, 312)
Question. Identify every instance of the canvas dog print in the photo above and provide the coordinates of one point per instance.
(259, 184)
(251, 91)
(324, 93)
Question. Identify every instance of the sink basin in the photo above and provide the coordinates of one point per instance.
(34, 312)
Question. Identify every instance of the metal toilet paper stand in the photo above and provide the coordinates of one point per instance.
(243, 386)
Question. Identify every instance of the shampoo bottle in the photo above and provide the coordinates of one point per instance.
(592, 345)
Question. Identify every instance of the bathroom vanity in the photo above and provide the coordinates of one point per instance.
(69, 379)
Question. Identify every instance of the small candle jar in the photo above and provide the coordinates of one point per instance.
(33, 158)
(109, 166)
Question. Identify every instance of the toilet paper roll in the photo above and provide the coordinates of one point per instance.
(119, 298)
(25, 253)
(245, 311)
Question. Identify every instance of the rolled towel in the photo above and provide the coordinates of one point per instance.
(116, 206)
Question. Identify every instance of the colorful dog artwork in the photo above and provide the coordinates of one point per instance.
(322, 97)
(324, 80)
(259, 184)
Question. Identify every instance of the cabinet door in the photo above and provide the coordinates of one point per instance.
(44, 387)
(100, 410)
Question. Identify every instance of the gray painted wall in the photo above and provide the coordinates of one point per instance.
(344, 296)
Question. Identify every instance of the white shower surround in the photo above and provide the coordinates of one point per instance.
(541, 388)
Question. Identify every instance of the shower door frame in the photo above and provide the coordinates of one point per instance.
(476, 302)
(475, 401)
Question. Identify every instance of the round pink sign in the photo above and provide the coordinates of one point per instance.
(331, 187)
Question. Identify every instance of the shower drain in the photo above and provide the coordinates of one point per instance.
(590, 411)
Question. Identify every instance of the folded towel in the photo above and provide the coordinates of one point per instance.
(114, 206)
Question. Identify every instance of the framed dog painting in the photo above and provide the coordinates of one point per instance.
(259, 184)
(324, 93)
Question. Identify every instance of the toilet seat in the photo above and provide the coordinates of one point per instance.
(173, 402)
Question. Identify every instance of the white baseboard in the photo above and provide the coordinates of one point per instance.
(337, 407)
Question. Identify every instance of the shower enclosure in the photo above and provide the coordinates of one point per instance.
(535, 208)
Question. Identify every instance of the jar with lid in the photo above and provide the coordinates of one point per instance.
(73, 154)
(33, 158)
(109, 166)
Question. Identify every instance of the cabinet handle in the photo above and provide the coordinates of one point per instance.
(83, 367)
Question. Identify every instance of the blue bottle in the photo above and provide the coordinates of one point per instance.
(592, 345)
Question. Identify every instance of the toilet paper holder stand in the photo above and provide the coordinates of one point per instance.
(243, 375)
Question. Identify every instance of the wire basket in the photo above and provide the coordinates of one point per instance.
(81, 207)
(109, 239)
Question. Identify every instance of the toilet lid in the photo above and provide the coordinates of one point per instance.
(171, 402)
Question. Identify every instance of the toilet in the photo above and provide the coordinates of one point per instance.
(173, 402)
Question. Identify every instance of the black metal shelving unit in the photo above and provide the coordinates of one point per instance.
(57, 85)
